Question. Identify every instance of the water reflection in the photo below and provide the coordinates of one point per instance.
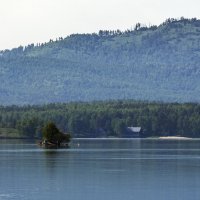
(101, 169)
(50, 158)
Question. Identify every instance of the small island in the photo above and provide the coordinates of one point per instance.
(52, 137)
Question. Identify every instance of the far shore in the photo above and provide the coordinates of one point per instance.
(15, 138)
(108, 138)
(174, 138)
(147, 138)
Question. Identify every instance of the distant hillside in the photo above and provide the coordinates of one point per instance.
(160, 63)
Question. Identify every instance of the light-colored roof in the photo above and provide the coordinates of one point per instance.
(135, 129)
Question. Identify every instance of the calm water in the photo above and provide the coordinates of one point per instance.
(101, 170)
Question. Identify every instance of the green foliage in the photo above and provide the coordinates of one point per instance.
(29, 127)
(159, 63)
(118, 127)
(52, 134)
(9, 133)
(102, 119)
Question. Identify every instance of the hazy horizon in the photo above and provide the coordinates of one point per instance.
(34, 21)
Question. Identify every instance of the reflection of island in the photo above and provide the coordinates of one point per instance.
(56, 161)
(51, 158)
(50, 154)
(53, 137)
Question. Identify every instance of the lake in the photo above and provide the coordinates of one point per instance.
(101, 169)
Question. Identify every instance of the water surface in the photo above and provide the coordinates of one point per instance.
(106, 169)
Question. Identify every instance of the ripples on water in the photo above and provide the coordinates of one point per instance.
(101, 170)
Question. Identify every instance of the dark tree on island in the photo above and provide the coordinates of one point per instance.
(52, 136)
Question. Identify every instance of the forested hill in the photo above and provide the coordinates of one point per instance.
(160, 63)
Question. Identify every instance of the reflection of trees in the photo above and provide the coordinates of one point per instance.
(54, 158)
(57, 166)
(50, 153)
(50, 157)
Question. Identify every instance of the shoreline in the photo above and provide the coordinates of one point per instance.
(147, 138)
(108, 138)
(174, 138)
(15, 138)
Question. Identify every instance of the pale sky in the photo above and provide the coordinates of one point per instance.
(30, 21)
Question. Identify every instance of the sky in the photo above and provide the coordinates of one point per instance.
(24, 22)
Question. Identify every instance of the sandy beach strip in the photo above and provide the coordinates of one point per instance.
(174, 138)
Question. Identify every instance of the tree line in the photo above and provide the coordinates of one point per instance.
(104, 119)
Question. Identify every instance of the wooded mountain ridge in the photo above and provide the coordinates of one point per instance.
(155, 63)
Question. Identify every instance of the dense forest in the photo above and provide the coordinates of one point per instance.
(154, 63)
(104, 119)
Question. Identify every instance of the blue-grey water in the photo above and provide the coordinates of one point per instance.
(107, 169)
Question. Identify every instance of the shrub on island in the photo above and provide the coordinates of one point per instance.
(53, 137)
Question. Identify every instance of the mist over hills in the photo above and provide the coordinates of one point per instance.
(157, 63)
